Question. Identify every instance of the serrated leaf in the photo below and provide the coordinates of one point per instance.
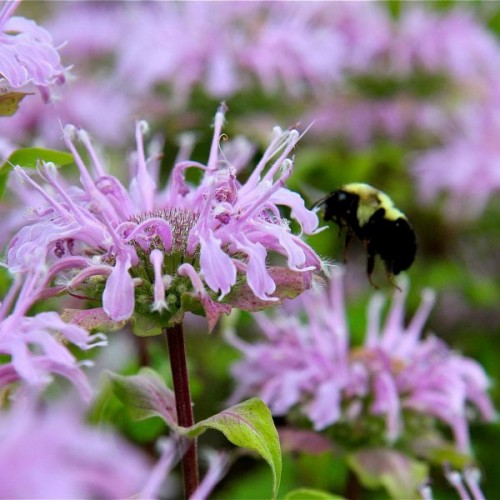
(399, 474)
(248, 424)
(311, 494)
(28, 157)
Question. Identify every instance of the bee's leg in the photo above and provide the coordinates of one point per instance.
(339, 223)
(390, 279)
(389, 271)
(348, 239)
(370, 266)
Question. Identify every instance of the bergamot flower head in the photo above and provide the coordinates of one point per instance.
(157, 252)
(54, 441)
(307, 362)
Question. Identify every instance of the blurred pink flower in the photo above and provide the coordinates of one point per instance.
(152, 246)
(301, 48)
(36, 344)
(310, 363)
(360, 121)
(453, 43)
(223, 47)
(87, 31)
(28, 58)
(467, 167)
(310, 51)
(424, 69)
(52, 453)
(80, 102)
(87, 92)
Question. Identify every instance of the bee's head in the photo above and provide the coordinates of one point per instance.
(338, 203)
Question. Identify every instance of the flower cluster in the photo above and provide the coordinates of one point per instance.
(395, 373)
(302, 49)
(155, 250)
(406, 77)
(28, 58)
(299, 48)
(40, 439)
(280, 45)
(474, 154)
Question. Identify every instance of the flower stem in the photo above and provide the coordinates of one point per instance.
(353, 487)
(177, 352)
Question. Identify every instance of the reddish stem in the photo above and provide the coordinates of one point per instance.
(175, 340)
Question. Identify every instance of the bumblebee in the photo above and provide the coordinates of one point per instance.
(370, 215)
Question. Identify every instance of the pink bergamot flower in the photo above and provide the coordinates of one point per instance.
(157, 252)
(307, 362)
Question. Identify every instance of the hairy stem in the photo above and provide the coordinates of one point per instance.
(175, 341)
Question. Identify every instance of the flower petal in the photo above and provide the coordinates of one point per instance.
(217, 267)
(258, 277)
(118, 296)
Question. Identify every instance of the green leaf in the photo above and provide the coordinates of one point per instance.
(28, 157)
(248, 424)
(399, 474)
(311, 494)
(145, 396)
(108, 410)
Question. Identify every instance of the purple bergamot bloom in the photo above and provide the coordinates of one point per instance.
(474, 153)
(159, 252)
(51, 453)
(28, 58)
(425, 69)
(307, 363)
(36, 344)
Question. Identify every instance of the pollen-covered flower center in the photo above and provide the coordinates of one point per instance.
(180, 221)
(160, 245)
(159, 286)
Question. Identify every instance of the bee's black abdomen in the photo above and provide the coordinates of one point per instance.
(393, 240)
